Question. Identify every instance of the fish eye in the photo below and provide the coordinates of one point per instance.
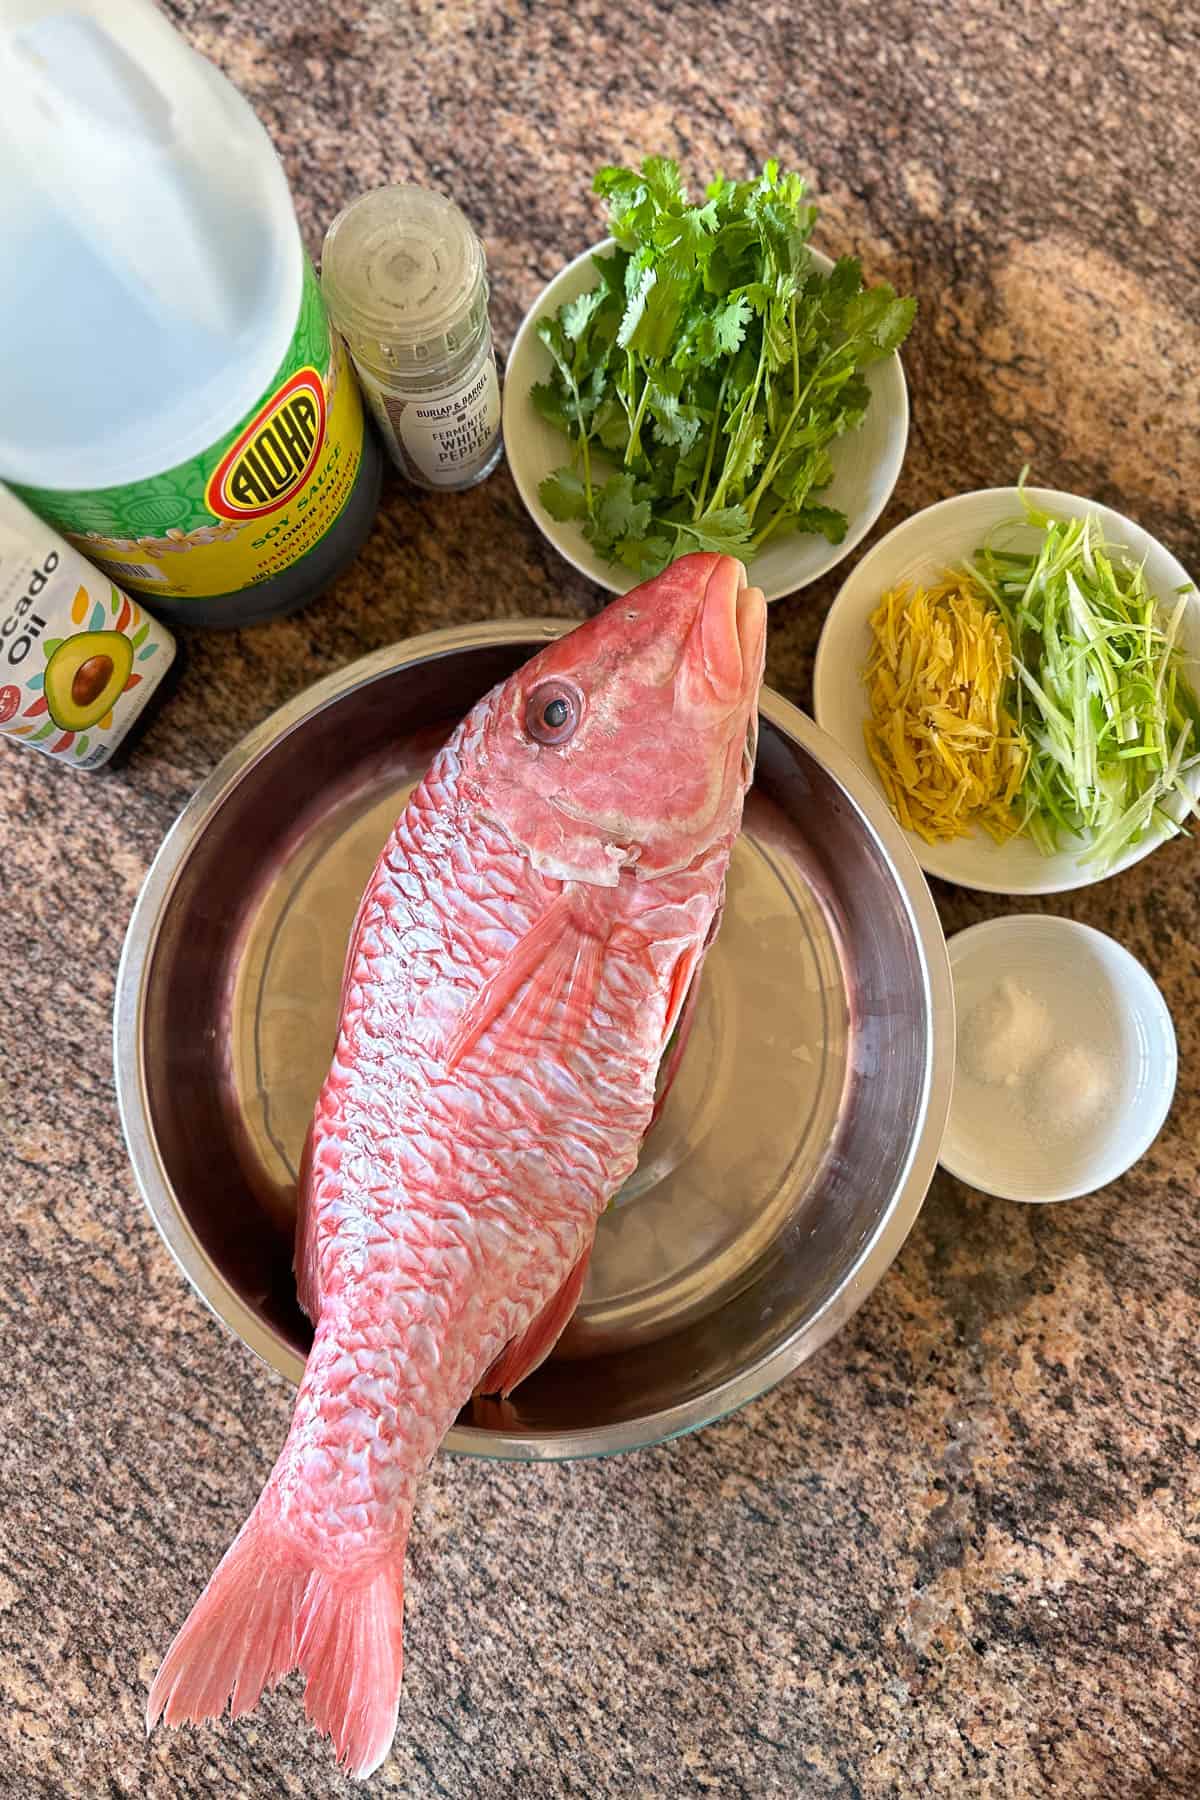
(552, 712)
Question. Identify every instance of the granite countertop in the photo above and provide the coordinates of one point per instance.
(957, 1553)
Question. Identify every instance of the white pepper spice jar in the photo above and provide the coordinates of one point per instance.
(405, 282)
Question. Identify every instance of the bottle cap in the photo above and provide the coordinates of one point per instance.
(405, 280)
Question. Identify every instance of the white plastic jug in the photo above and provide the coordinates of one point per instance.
(171, 396)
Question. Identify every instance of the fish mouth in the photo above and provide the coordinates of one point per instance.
(729, 632)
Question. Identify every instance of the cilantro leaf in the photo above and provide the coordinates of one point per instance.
(644, 279)
(576, 315)
(661, 175)
(549, 400)
(729, 324)
(689, 465)
(835, 292)
(629, 201)
(611, 270)
(617, 513)
(646, 556)
(778, 326)
(610, 422)
(878, 322)
(826, 520)
(744, 452)
(687, 235)
(652, 316)
(551, 334)
(731, 261)
(725, 531)
(563, 495)
(675, 424)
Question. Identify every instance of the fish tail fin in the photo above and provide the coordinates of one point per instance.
(267, 1611)
(351, 1650)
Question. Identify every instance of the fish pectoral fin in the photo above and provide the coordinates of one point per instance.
(558, 959)
(682, 989)
(523, 1354)
(570, 974)
(304, 1256)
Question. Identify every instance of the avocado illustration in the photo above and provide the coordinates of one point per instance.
(84, 677)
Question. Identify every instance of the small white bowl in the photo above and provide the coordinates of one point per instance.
(920, 550)
(1103, 1008)
(866, 462)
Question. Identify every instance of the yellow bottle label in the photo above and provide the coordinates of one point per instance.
(252, 504)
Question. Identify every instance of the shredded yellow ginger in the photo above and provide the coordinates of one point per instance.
(948, 752)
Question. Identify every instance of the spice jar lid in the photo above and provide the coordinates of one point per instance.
(404, 278)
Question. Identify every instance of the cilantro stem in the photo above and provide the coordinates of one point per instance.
(760, 537)
(744, 406)
(587, 469)
(795, 349)
(768, 474)
(634, 446)
(622, 395)
(584, 434)
(698, 508)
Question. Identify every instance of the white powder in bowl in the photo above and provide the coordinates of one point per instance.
(1005, 1035)
(1074, 1087)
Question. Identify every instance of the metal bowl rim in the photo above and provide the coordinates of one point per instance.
(154, 1185)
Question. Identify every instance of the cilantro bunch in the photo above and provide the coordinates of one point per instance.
(704, 378)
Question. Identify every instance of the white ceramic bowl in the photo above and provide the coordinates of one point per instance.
(866, 462)
(1105, 1020)
(920, 550)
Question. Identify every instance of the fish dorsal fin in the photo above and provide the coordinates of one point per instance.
(558, 959)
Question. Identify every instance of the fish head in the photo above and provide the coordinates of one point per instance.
(629, 743)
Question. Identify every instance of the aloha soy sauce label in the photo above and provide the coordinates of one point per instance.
(275, 455)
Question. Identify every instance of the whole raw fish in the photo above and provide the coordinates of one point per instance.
(518, 964)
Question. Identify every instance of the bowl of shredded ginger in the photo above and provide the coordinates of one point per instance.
(1018, 669)
(944, 743)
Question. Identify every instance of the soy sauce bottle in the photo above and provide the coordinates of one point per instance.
(175, 403)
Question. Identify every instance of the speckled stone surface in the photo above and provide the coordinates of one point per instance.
(957, 1554)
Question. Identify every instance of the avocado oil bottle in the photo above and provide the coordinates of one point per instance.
(80, 661)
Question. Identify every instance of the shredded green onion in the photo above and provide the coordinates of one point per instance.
(1102, 696)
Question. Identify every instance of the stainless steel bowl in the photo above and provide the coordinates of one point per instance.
(795, 1147)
